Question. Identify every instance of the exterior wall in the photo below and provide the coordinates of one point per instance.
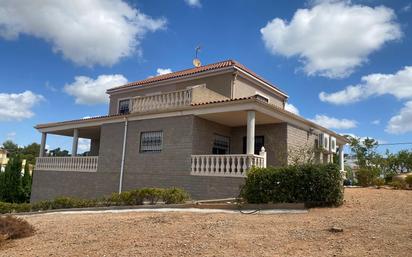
(243, 88)
(169, 168)
(275, 141)
(94, 147)
(221, 84)
(182, 136)
(204, 134)
(51, 184)
(297, 139)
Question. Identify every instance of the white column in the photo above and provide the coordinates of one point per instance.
(341, 160)
(250, 138)
(75, 141)
(43, 144)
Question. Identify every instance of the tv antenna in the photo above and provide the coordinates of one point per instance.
(196, 61)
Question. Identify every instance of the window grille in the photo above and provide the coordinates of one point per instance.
(221, 145)
(151, 141)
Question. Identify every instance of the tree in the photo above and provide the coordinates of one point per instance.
(30, 152)
(365, 151)
(12, 187)
(26, 182)
(58, 152)
(11, 147)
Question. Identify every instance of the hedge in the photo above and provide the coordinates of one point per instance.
(314, 185)
(134, 197)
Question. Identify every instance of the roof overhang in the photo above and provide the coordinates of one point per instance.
(267, 113)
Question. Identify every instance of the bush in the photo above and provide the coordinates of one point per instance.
(153, 195)
(378, 182)
(398, 184)
(315, 185)
(134, 197)
(408, 180)
(12, 228)
(174, 196)
(366, 176)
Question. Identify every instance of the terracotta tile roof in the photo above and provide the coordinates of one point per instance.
(196, 70)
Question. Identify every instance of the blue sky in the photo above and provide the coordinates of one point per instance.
(44, 53)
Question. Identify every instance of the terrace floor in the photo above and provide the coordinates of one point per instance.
(375, 222)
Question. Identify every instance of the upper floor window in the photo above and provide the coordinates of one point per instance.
(151, 141)
(221, 145)
(124, 106)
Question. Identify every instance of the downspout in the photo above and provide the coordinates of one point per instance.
(123, 155)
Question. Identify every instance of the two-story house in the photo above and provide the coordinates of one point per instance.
(200, 129)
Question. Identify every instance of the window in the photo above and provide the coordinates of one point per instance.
(124, 106)
(259, 142)
(151, 141)
(221, 145)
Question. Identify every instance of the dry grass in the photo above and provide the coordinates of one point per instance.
(12, 228)
(371, 222)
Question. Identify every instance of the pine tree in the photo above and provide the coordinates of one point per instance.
(13, 191)
(26, 183)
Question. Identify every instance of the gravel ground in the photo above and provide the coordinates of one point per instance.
(375, 222)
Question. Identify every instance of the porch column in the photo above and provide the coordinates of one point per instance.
(250, 138)
(341, 161)
(75, 141)
(43, 144)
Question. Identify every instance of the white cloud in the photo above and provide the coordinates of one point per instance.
(161, 71)
(291, 108)
(93, 91)
(407, 8)
(194, 3)
(402, 122)
(85, 32)
(83, 145)
(11, 135)
(334, 123)
(398, 85)
(18, 106)
(363, 138)
(332, 38)
(376, 122)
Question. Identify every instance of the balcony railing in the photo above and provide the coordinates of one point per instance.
(162, 101)
(228, 165)
(78, 163)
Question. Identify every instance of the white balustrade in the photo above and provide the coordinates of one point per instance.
(78, 163)
(227, 165)
(162, 101)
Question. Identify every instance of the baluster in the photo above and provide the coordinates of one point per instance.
(193, 164)
(233, 168)
(212, 165)
(197, 164)
(202, 164)
(222, 165)
(238, 165)
(227, 164)
(206, 165)
(244, 159)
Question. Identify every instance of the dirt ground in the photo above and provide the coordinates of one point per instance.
(375, 222)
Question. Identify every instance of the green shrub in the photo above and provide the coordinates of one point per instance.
(134, 197)
(41, 205)
(366, 176)
(398, 184)
(14, 207)
(315, 185)
(408, 180)
(174, 196)
(153, 195)
(378, 182)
